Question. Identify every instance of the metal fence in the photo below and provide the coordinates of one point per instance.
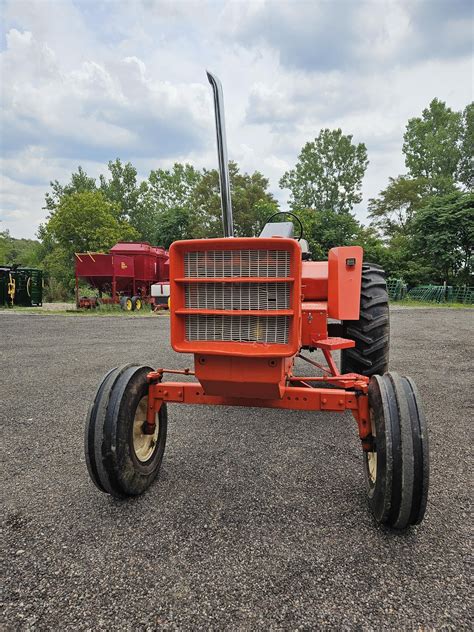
(442, 294)
(397, 289)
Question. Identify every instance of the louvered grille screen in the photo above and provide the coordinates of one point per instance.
(237, 263)
(238, 296)
(269, 329)
(229, 296)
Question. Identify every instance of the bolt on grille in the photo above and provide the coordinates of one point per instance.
(238, 296)
(237, 263)
(269, 329)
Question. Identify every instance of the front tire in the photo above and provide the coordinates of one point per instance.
(121, 459)
(397, 468)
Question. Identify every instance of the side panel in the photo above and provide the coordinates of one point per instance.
(229, 376)
(314, 282)
(344, 282)
(313, 323)
(93, 264)
(123, 266)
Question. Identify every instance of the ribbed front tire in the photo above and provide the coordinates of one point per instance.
(397, 466)
(371, 332)
(122, 459)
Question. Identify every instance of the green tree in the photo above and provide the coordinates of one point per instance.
(444, 235)
(79, 183)
(403, 261)
(167, 211)
(184, 203)
(5, 245)
(466, 164)
(252, 204)
(327, 229)
(392, 211)
(87, 222)
(82, 222)
(375, 250)
(25, 252)
(123, 188)
(328, 175)
(432, 146)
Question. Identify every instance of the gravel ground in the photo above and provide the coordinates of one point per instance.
(59, 307)
(258, 519)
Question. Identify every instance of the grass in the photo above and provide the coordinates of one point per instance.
(104, 310)
(407, 302)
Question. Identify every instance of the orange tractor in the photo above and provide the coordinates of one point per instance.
(247, 308)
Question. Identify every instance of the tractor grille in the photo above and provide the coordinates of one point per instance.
(216, 281)
(238, 296)
(237, 263)
(269, 329)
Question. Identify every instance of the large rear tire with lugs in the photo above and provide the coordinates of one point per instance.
(371, 332)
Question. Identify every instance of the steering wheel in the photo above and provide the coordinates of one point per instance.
(292, 215)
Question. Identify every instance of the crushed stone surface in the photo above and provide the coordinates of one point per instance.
(258, 519)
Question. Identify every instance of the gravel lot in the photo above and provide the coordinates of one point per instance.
(258, 519)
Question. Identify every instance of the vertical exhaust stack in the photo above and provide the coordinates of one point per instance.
(224, 181)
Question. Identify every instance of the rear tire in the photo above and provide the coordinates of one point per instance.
(371, 332)
(397, 469)
(123, 461)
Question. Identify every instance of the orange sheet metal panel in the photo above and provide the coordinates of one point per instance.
(314, 282)
(230, 376)
(313, 323)
(344, 282)
(235, 268)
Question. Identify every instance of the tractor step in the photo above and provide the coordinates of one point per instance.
(332, 344)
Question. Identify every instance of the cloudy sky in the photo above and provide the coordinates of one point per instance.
(86, 81)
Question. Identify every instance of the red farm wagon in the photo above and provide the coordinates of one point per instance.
(131, 274)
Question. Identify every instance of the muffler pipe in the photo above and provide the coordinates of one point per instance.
(224, 181)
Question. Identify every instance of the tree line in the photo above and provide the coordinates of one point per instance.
(421, 225)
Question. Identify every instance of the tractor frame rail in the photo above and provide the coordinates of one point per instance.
(345, 392)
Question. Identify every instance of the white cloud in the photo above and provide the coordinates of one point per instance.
(85, 82)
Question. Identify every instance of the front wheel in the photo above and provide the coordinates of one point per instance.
(121, 458)
(397, 466)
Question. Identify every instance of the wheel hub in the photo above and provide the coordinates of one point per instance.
(143, 444)
(372, 456)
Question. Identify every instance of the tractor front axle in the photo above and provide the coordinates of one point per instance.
(352, 395)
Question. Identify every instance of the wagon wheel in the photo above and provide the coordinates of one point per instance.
(397, 468)
(121, 458)
(126, 303)
(137, 303)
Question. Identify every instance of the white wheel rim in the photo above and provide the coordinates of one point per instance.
(144, 444)
(372, 456)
